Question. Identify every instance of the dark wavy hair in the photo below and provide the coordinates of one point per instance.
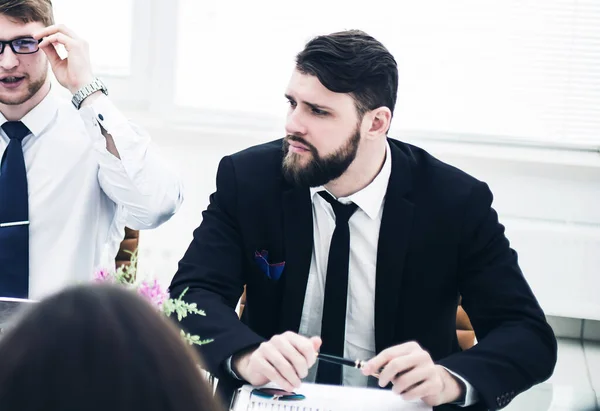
(99, 348)
(353, 62)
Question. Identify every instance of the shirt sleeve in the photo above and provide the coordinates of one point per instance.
(140, 181)
(229, 369)
(471, 396)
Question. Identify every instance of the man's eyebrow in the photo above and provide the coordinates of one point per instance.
(311, 105)
(23, 37)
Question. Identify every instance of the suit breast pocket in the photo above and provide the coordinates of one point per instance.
(263, 302)
(261, 286)
(260, 282)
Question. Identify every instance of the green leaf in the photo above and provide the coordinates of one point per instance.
(127, 275)
(194, 339)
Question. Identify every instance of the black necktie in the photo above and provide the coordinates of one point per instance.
(333, 323)
(14, 215)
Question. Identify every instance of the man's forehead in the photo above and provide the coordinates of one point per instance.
(11, 28)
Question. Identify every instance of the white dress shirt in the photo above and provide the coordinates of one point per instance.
(81, 196)
(360, 310)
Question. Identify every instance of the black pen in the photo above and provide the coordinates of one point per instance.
(344, 361)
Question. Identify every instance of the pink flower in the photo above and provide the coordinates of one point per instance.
(103, 275)
(153, 292)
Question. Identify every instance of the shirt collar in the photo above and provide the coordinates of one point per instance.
(40, 116)
(369, 199)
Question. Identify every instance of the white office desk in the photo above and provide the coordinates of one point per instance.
(553, 397)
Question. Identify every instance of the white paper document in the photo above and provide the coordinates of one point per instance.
(328, 398)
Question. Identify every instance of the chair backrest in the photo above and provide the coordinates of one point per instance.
(464, 329)
(128, 245)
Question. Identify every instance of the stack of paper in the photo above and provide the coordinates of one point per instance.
(328, 398)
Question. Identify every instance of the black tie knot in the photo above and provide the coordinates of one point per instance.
(343, 212)
(15, 129)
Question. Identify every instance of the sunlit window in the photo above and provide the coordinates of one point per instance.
(510, 68)
(107, 28)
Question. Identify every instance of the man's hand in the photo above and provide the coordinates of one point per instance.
(75, 71)
(414, 375)
(284, 360)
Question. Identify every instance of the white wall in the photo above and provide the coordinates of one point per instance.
(195, 158)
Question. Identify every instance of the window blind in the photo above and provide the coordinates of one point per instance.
(522, 70)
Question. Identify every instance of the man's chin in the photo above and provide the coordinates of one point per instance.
(14, 98)
(298, 161)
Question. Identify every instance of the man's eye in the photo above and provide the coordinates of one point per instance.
(319, 112)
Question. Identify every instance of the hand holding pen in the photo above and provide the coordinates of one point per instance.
(286, 358)
(412, 372)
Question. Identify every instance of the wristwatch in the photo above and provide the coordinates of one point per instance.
(85, 91)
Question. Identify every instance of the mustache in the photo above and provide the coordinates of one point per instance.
(297, 139)
(4, 74)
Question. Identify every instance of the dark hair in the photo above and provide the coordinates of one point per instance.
(353, 62)
(98, 348)
(27, 11)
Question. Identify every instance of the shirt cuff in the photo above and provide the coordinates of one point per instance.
(103, 111)
(229, 369)
(471, 395)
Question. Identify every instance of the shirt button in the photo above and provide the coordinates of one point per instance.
(101, 117)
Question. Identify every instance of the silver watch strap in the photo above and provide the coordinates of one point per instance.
(86, 91)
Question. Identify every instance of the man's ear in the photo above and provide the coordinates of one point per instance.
(378, 122)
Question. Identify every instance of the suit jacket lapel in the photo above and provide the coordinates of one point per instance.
(392, 246)
(298, 241)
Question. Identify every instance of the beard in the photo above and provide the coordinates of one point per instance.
(32, 88)
(319, 170)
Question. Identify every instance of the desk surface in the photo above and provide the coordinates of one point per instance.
(554, 397)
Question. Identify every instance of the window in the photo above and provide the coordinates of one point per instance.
(507, 69)
(108, 30)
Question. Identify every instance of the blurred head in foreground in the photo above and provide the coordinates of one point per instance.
(99, 347)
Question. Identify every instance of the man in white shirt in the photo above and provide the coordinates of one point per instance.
(356, 245)
(74, 173)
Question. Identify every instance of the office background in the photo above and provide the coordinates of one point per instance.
(507, 90)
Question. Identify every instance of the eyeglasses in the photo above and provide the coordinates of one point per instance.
(25, 45)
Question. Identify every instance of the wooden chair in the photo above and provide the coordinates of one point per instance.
(128, 245)
(464, 329)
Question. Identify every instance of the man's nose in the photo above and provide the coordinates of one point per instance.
(294, 124)
(8, 59)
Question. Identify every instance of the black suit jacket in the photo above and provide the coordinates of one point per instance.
(439, 239)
